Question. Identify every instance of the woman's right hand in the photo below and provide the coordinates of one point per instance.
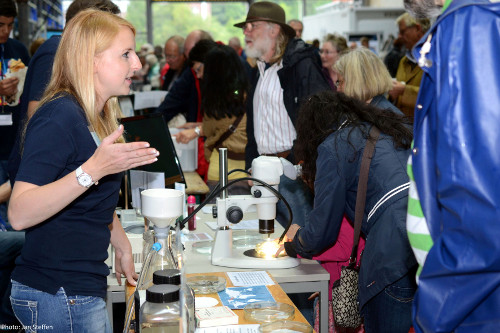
(111, 157)
(185, 136)
(31, 204)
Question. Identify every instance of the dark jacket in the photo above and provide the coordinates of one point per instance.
(300, 77)
(35, 82)
(387, 255)
(182, 98)
(170, 75)
(13, 49)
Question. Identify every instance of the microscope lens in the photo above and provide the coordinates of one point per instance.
(266, 226)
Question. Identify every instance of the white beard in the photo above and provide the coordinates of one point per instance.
(252, 52)
(259, 47)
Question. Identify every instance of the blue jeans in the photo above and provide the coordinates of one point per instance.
(300, 199)
(390, 310)
(39, 311)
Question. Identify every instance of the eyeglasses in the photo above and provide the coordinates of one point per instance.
(250, 26)
(339, 83)
(327, 52)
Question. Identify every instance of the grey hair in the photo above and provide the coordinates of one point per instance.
(179, 41)
(411, 21)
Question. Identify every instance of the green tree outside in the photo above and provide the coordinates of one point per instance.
(177, 18)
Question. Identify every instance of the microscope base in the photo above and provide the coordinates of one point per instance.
(240, 260)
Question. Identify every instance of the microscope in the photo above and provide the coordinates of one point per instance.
(230, 209)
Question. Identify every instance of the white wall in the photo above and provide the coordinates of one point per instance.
(352, 20)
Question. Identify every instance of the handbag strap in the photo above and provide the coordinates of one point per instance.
(362, 186)
(227, 133)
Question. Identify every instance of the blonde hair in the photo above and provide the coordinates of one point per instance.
(365, 75)
(89, 33)
(281, 43)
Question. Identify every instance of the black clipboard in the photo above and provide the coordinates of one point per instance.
(153, 129)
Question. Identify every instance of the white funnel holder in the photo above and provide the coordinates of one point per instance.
(162, 206)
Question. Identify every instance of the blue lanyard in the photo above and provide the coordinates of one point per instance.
(4, 69)
(2, 75)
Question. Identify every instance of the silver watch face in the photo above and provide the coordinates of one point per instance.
(85, 180)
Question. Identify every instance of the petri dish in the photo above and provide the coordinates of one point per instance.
(204, 247)
(206, 284)
(246, 243)
(285, 326)
(205, 302)
(266, 312)
(243, 239)
(246, 234)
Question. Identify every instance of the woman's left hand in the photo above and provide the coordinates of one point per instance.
(124, 264)
(280, 249)
(290, 234)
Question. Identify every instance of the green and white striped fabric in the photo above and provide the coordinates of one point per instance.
(416, 225)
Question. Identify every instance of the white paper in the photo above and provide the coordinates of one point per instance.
(243, 225)
(5, 119)
(207, 209)
(143, 180)
(148, 99)
(245, 279)
(195, 237)
(182, 187)
(252, 328)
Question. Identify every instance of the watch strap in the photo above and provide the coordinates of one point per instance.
(81, 174)
(197, 130)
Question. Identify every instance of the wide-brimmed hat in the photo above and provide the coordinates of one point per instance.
(270, 12)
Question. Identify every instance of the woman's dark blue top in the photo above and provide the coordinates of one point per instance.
(69, 249)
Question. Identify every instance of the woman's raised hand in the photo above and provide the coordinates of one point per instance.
(110, 157)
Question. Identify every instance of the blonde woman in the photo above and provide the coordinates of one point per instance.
(362, 75)
(67, 186)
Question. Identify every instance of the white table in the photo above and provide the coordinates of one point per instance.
(309, 276)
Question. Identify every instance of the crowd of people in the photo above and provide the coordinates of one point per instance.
(429, 230)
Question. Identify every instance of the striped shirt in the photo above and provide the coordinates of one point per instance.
(274, 131)
(416, 225)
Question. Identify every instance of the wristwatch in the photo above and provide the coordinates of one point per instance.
(83, 178)
(197, 130)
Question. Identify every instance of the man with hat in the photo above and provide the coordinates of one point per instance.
(287, 72)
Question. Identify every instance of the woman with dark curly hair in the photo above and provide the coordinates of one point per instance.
(331, 135)
(224, 88)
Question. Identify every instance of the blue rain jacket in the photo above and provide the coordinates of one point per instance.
(456, 164)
